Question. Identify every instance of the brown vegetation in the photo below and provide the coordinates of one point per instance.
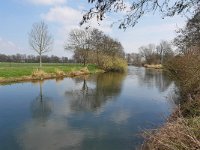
(182, 130)
(181, 134)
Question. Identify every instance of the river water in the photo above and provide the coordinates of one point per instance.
(98, 112)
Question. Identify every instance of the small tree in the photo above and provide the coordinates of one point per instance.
(40, 40)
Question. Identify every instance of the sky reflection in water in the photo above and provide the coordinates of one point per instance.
(106, 111)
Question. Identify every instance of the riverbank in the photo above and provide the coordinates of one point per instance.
(153, 66)
(181, 131)
(182, 128)
(17, 72)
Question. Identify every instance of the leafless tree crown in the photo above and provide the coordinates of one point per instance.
(39, 38)
(135, 9)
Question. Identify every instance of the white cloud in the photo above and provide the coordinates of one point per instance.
(64, 15)
(146, 32)
(47, 2)
(69, 18)
(54, 134)
(7, 45)
(64, 19)
(10, 48)
(120, 116)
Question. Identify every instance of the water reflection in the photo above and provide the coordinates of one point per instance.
(56, 135)
(41, 107)
(43, 132)
(98, 112)
(153, 78)
(92, 96)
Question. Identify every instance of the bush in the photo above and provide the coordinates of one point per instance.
(39, 73)
(186, 70)
(115, 64)
(59, 72)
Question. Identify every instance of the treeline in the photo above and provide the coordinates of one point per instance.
(22, 58)
(151, 54)
(186, 65)
(94, 46)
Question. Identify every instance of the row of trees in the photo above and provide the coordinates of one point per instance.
(152, 54)
(93, 46)
(19, 58)
(89, 46)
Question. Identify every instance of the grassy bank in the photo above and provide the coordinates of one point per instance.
(12, 72)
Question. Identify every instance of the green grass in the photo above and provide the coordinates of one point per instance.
(12, 70)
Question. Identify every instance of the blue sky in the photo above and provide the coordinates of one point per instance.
(17, 17)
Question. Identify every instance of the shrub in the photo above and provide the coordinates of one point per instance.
(186, 70)
(59, 72)
(39, 73)
(109, 63)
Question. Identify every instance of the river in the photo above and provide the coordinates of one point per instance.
(97, 112)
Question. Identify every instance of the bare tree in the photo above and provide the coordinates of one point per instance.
(164, 50)
(135, 9)
(40, 40)
(188, 39)
(148, 52)
(79, 41)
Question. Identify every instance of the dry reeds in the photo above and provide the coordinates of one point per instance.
(182, 134)
(38, 73)
(59, 73)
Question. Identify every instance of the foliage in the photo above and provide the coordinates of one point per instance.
(136, 9)
(186, 70)
(109, 63)
(93, 46)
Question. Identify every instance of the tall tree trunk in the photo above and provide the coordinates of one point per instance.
(40, 61)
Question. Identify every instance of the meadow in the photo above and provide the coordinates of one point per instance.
(16, 70)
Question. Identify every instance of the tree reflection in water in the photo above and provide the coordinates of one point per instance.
(43, 132)
(41, 107)
(87, 97)
(154, 78)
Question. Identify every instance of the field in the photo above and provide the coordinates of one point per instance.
(16, 70)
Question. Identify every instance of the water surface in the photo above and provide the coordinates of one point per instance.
(98, 112)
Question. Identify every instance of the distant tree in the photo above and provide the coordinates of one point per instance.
(136, 9)
(40, 40)
(148, 52)
(164, 50)
(136, 59)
